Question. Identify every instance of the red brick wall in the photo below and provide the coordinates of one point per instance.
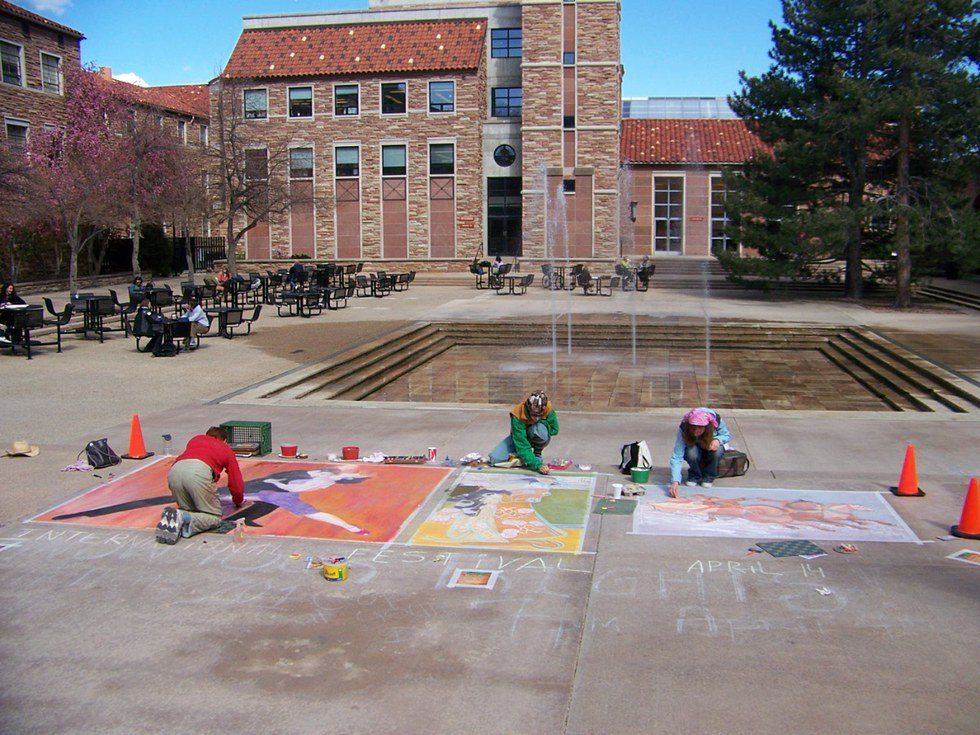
(30, 103)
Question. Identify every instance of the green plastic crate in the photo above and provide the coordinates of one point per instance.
(251, 431)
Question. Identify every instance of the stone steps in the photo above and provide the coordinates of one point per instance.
(950, 296)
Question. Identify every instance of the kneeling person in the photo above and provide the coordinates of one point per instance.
(701, 439)
(192, 481)
(532, 424)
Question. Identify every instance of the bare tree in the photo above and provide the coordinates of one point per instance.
(187, 201)
(253, 175)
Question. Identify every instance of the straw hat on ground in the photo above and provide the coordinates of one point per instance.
(22, 449)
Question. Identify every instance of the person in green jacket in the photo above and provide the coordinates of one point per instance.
(532, 424)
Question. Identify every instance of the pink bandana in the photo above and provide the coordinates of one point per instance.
(700, 417)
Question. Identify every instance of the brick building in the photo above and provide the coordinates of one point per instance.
(674, 152)
(435, 131)
(34, 51)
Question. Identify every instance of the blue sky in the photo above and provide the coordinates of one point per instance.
(670, 47)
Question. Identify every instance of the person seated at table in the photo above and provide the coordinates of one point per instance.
(136, 290)
(297, 275)
(645, 271)
(497, 265)
(198, 319)
(221, 282)
(10, 297)
(532, 424)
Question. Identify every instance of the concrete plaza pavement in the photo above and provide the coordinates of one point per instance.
(107, 631)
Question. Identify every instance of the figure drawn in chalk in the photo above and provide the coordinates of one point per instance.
(479, 515)
(787, 514)
(263, 495)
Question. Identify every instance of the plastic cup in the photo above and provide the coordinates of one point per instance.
(431, 454)
(617, 489)
(350, 452)
(288, 450)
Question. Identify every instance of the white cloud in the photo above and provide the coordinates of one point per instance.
(185, 67)
(131, 78)
(56, 7)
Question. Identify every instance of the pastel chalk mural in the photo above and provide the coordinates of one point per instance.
(497, 509)
(365, 502)
(771, 514)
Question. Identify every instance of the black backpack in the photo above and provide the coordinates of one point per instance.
(99, 454)
(165, 349)
(636, 454)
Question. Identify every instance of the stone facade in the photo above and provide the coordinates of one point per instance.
(29, 102)
(360, 218)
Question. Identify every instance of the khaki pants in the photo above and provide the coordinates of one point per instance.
(196, 329)
(192, 485)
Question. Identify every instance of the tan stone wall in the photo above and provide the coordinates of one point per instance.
(30, 103)
(369, 130)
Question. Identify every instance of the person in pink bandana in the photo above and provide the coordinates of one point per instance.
(701, 440)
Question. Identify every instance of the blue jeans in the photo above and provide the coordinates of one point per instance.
(537, 434)
(702, 463)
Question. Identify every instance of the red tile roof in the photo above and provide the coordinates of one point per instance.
(23, 14)
(370, 48)
(193, 98)
(179, 99)
(687, 141)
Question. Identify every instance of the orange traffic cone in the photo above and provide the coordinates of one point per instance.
(969, 525)
(908, 484)
(137, 449)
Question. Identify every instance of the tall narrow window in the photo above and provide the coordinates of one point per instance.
(256, 104)
(442, 159)
(442, 96)
(505, 43)
(204, 135)
(301, 101)
(301, 163)
(346, 100)
(10, 64)
(50, 73)
(394, 98)
(506, 101)
(668, 214)
(393, 160)
(16, 135)
(719, 218)
(348, 161)
(182, 131)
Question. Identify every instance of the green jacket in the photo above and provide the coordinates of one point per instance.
(522, 445)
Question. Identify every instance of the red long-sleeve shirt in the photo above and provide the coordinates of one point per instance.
(217, 455)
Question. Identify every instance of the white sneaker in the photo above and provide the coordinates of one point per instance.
(168, 529)
(691, 483)
(707, 484)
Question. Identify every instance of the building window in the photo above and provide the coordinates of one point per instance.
(301, 101)
(568, 186)
(505, 43)
(568, 122)
(16, 135)
(442, 96)
(719, 218)
(393, 160)
(256, 164)
(568, 58)
(442, 159)
(504, 155)
(348, 161)
(204, 135)
(394, 100)
(50, 73)
(300, 163)
(346, 100)
(182, 131)
(10, 64)
(505, 102)
(256, 104)
(668, 214)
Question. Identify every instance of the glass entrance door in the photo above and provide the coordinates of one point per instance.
(668, 214)
(504, 216)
